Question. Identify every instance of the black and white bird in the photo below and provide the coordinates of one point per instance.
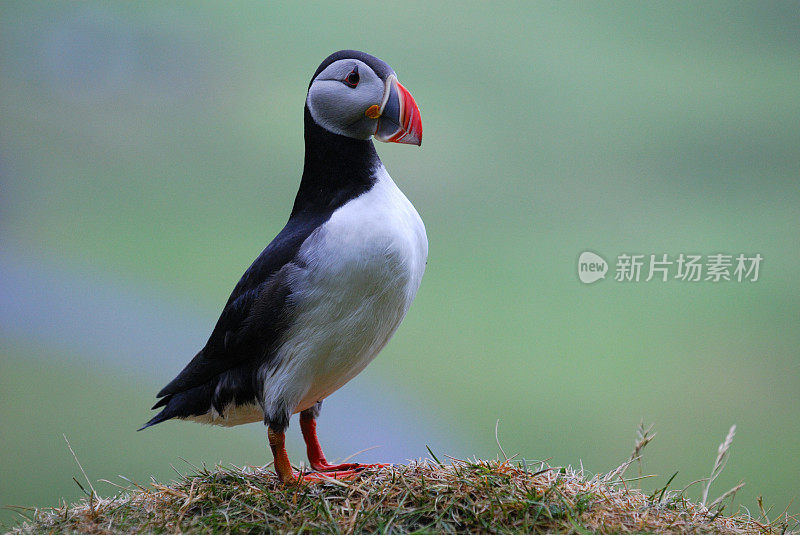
(328, 292)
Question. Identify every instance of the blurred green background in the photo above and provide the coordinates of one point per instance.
(148, 152)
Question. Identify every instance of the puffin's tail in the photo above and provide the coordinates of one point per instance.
(193, 402)
(157, 419)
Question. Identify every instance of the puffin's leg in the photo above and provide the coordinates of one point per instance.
(284, 468)
(308, 425)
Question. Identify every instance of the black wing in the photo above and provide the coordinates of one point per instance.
(255, 314)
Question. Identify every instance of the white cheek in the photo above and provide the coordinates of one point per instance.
(328, 111)
(340, 109)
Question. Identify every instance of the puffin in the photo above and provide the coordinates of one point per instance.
(329, 291)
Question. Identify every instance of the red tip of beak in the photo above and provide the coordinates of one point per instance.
(399, 120)
(410, 118)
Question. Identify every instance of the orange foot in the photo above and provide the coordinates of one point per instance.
(284, 468)
(358, 467)
(333, 471)
(308, 425)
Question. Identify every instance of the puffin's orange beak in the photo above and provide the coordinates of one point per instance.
(399, 120)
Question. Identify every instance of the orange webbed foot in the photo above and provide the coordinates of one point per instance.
(322, 477)
(325, 467)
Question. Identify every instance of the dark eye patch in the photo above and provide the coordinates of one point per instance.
(352, 78)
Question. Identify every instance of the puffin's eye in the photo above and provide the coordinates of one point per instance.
(352, 79)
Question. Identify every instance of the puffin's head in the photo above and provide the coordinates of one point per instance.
(357, 95)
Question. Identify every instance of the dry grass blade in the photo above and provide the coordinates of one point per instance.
(93, 496)
(643, 438)
(719, 462)
(359, 452)
(497, 438)
(732, 492)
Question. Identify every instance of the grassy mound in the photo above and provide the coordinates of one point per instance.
(476, 496)
(464, 496)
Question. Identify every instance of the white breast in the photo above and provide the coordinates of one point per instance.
(362, 269)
